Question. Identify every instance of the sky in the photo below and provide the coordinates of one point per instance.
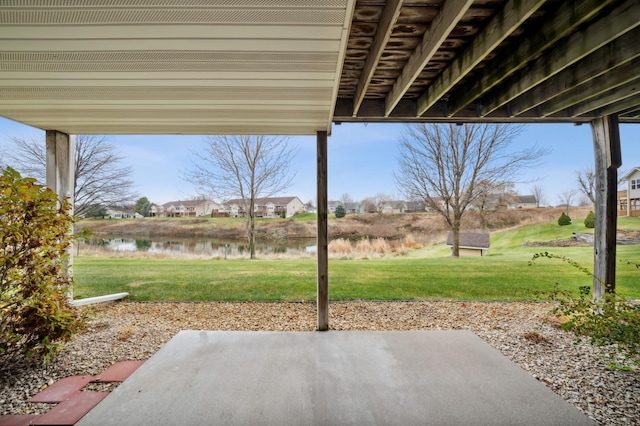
(361, 159)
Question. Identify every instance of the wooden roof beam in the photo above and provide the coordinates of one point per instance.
(563, 21)
(512, 15)
(603, 60)
(383, 34)
(625, 17)
(442, 25)
(613, 101)
(633, 112)
(592, 88)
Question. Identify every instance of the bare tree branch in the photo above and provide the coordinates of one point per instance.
(444, 164)
(538, 193)
(566, 198)
(248, 167)
(98, 178)
(586, 178)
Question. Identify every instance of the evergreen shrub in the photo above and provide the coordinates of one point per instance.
(590, 220)
(564, 220)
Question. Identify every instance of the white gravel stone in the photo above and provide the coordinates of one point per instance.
(135, 331)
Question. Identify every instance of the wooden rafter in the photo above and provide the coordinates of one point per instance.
(605, 82)
(633, 112)
(512, 15)
(440, 28)
(622, 19)
(564, 20)
(385, 28)
(609, 98)
(605, 59)
(624, 105)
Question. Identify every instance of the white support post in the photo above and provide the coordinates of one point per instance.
(322, 234)
(606, 143)
(61, 160)
(61, 164)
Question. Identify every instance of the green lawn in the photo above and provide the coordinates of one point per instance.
(426, 274)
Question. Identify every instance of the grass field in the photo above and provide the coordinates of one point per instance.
(423, 274)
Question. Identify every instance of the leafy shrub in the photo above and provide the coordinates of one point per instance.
(340, 212)
(35, 313)
(611, 322)
(564, 220)
(590, 220)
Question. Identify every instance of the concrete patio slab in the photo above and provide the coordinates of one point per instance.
(331, 378)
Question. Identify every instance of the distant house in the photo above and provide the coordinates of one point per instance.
(415, 206)
(120, 213)
(471, 243)
(393, 207)
(266, 207)
(495, 201)
(526, 201)
(187, 208)
(353, 207)
(629, 200)
(331, 206)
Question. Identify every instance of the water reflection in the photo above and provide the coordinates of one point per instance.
(196, 246)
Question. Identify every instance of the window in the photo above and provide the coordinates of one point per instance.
(635, 182)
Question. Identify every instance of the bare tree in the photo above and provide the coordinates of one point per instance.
(538, 193)
(443, 164)
(346, 199)
(566, 198)
(377, 203)
(492, 196)
(248, 167)
(586, 178)
(99, 180)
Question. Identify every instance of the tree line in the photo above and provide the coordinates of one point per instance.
(447, 167)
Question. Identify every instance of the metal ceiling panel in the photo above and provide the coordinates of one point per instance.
(172, 66)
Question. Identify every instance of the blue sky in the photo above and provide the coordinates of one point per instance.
(361, 160)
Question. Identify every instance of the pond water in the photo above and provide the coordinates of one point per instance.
(196, 246)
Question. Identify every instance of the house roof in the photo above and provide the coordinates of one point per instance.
(186, 203)
(470, 239)
(527, 199)
(296, 66)
(631, 172)
(279, 201)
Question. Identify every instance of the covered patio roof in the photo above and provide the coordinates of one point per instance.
(296, 66)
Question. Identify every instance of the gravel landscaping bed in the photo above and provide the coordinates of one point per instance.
(135, 331)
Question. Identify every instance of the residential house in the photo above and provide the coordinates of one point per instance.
(187, 208)
(120, 213)
(526, 201)
(629, 200)
(471, 243)
(393, 207)
(266, 207)
(353, 207)
(331, 206)
(415, 206)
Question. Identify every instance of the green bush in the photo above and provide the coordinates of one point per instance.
(34, 244)
(340, 212)
(610, 322)
(590, 220)
(564, 220)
